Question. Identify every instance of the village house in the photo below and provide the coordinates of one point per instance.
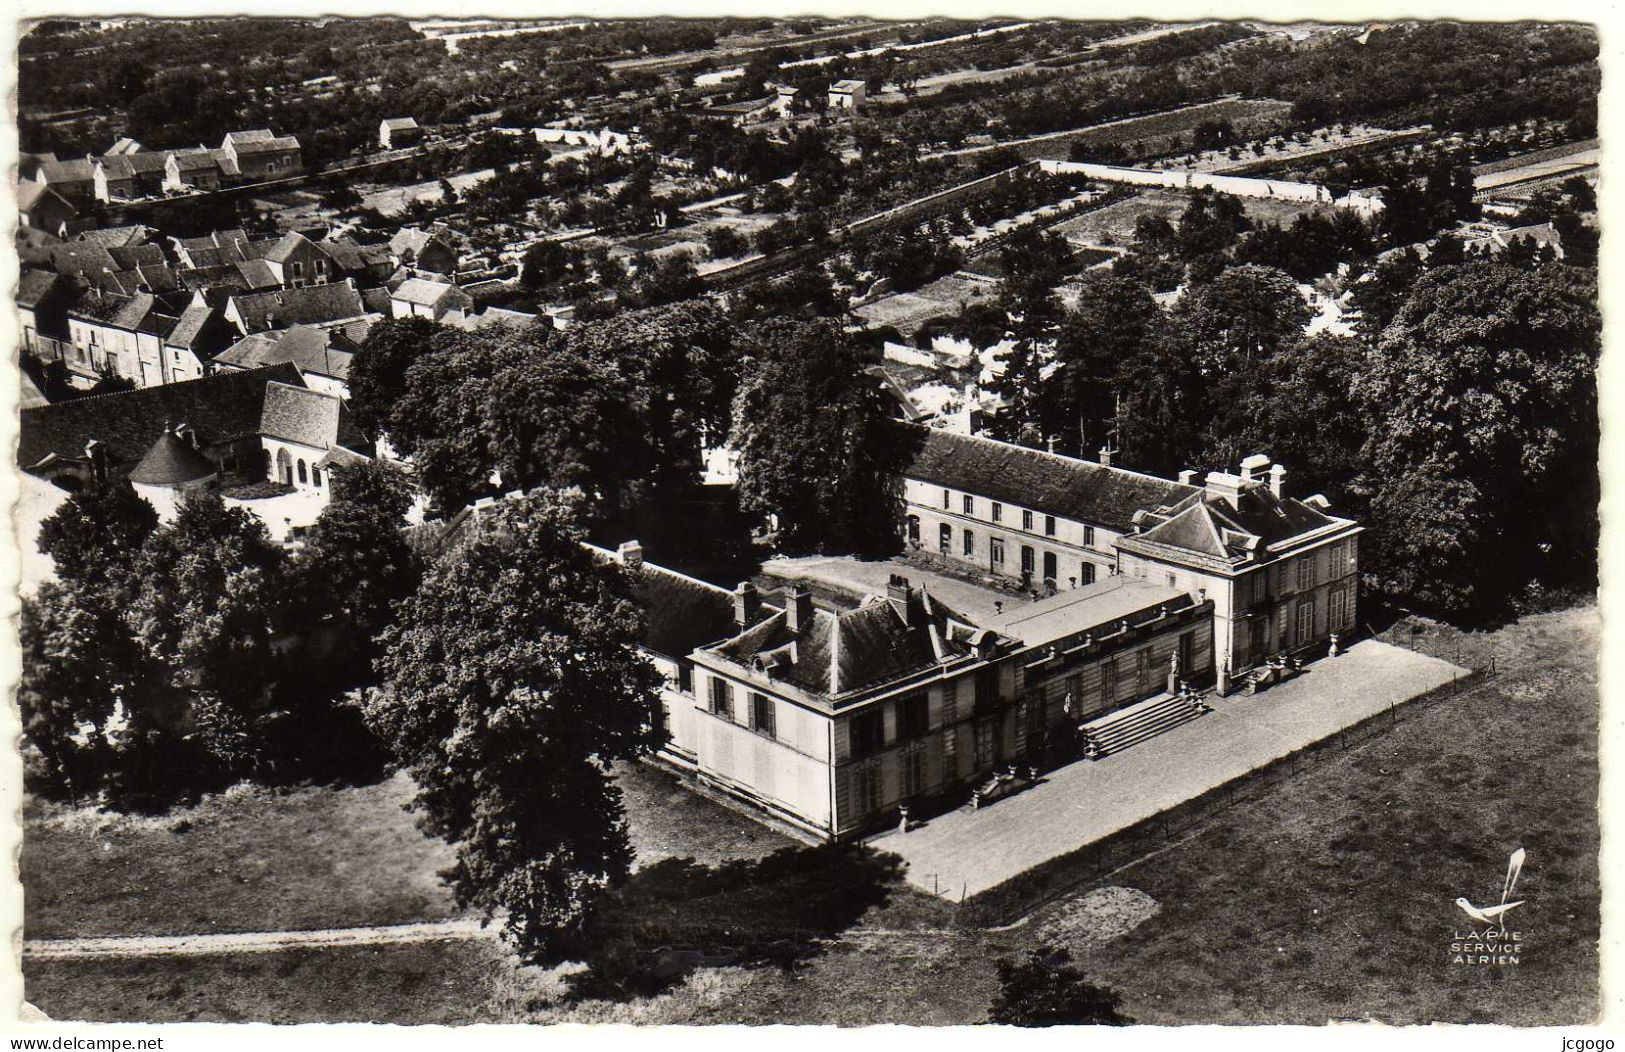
(322, 356)
(397, 132)
(112, 335)
(296, 261)
(368, 265)
(42, 300)
(432, 250)
(74, 181)
(200, 334)
(847, 95)
(199, 169)
(280, 309)
(40, 207)
(435, 300)
(125, 177)
(259, 154)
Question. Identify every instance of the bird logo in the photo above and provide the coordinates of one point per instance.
(1491, 915)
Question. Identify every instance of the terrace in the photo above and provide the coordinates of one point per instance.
(965, 852)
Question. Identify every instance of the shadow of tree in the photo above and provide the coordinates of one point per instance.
(678, 915)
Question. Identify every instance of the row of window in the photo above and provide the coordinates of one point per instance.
(995, 555)
(759, 707)
(996, 514)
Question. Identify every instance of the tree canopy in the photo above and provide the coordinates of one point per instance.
(509, 683)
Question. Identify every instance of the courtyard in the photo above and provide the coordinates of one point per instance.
(964, 852)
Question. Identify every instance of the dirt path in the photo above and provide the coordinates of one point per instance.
(253, 941)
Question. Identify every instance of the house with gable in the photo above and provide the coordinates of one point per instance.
(74, 180)
(297, 261)
(280, 309)
(299, 427)
(40, 207)
(323, 356)
(129, 176)
(397, 132)
(435, 300)
(260, 154)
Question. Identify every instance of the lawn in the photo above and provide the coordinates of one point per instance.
(1338, 887)
(245, 860)
(1328, 895)
(255, 860)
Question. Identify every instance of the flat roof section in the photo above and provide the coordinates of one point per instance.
(1079, 609)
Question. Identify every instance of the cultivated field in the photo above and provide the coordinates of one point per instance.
(1148, 136)
(1114, 224)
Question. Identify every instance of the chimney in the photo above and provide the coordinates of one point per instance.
(1106, 454)
(746, 603)
(798, 609)
(1277, 476)
(1252, 466)
(1187, 477)
(1221, 485)
(899, 593)
(96, 453)
(630, 553)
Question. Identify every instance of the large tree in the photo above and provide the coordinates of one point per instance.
(378, 373)
(95, 535)
(1487, 377)
(87, 694)
(816, 449)
(1113, 322)
(355, 562)
(206, 589)
(509, 684)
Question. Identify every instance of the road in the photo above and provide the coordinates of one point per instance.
(252, 941)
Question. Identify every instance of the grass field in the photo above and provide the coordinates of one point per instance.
(1114, 224)
(246, 860)
(1148, 136)
(1328, 895)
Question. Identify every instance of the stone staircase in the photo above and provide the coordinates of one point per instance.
(1116, 731)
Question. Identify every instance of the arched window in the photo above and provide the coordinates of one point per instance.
(316, 476)
(302, 478)
(284, 467)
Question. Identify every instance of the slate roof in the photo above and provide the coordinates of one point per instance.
(280, 144)
(841, 652)
(295, 413)
(308, 305)
(400, 123)
(251, 135)
(1028, 478)
(306, 346)
(117, 237)
(286, 246)
(198, 159)
(430, 293)
(128, 166)
(1211, 524)
(111, 309)
(59, 172)
(171, 462)
(31, 193)
(220, 408)
(34, 285)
